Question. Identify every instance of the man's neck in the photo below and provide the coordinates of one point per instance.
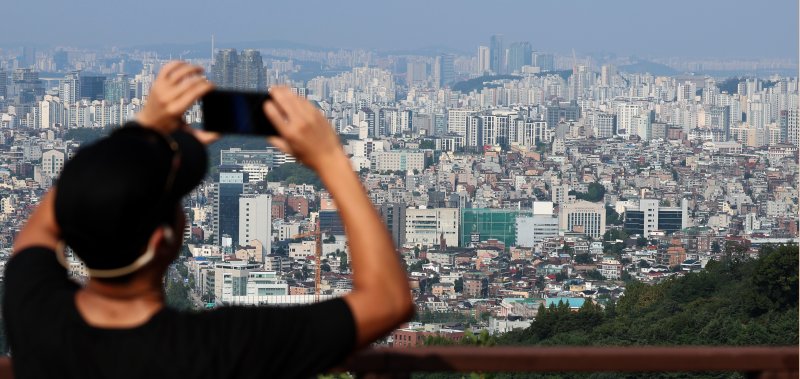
(120, 306)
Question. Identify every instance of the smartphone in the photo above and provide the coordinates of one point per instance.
(238, 112)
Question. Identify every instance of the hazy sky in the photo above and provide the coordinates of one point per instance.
(690, 28)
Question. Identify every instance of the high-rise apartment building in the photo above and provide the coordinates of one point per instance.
(608, 74)
(116, 89)
(484, 60)
(790, 133)
(69, 89)
(457, 121)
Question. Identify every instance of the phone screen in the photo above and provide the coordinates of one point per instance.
(236, 112)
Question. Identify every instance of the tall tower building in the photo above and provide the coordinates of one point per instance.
(497, 54)
(60, 60)
(69, 89)
(223, 72)
(230, 186)
(28, 56)
(250, 71)
(444, 70)
(519, 54)
(3, 84)
(792, 130)
(484, 61)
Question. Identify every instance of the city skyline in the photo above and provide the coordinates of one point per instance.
(711, 29)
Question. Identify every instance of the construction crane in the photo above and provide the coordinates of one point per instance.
(318, 255)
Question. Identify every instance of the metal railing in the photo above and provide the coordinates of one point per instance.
(754, 362)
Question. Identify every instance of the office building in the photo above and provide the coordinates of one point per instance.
(394, 216)
(52, 163)
(28, 57)
(483, 224)
(29, 88)
(545, 62)
(540, 225)
(519, 54)
(444, 70)
(398, 160)
(330, 223)
(255, 221)
(427, 227)
(497, 54)
(603, 125)
(562, 111)
(3, 84)
(649, 216)
(60, 60)
(583, 217)
(92, 87)
(239, 282)
(231, 185)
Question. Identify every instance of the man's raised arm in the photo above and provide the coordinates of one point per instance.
(381, 298)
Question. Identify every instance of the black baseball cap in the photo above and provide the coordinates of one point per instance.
(113, 194)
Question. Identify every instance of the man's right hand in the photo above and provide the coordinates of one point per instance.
(303, 131)
(177, 86)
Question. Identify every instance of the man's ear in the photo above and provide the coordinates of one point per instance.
(169, 235)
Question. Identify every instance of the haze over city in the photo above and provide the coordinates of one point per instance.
(683, 28)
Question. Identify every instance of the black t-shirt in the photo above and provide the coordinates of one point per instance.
(49, 338)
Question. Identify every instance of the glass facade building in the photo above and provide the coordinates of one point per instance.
(481, 224)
